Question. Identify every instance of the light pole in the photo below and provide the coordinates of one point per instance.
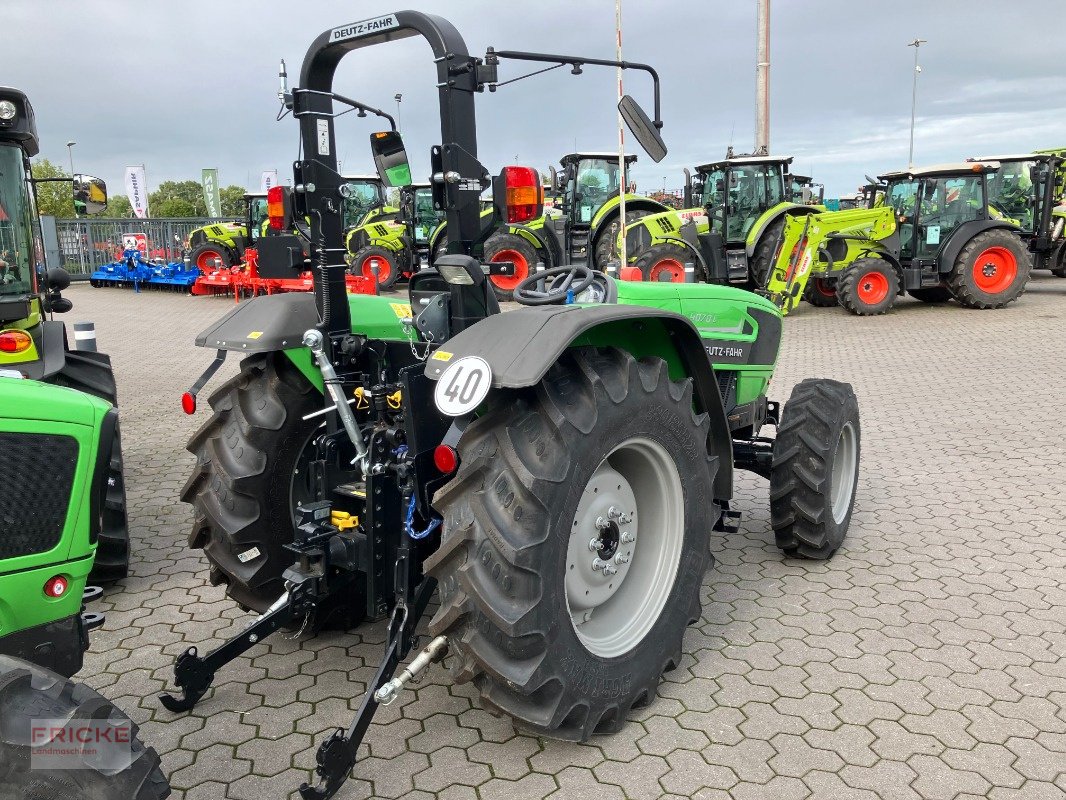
(664, 186)
(914, 97)
(398, 98)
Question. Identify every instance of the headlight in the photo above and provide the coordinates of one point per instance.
(7, 110)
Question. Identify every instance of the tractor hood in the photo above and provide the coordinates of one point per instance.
(31, 400)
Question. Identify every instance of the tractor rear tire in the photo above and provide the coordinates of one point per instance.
(389, 266)
(868, 287)
(521, 516)
(664, 263)
(991, 270)
(92, 373)
(205, 256)
(29, 694)
(815, 469)
(251, 471)
(513, 248)
(762, 259)
(932, 294)
(607, 243)
(821, 292)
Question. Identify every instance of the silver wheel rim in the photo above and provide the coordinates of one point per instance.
(842, 482)
(620, 572)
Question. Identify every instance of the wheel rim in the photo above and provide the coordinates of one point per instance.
(872, 288)
(613, 609)
(842, 482)
(824, 288)
(995, 270)
(667, 270)
(208, 259)
(384, 268)
(521, 269)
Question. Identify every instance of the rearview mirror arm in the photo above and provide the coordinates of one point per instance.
(360, 107)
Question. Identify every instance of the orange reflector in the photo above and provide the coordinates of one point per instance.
(55, 586)
(15, 341)
(445, 459)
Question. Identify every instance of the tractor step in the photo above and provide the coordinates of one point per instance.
(729, 522)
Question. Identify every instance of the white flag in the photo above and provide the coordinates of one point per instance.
(137, 190)
(270, 178)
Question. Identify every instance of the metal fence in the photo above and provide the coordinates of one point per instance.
(86, 244)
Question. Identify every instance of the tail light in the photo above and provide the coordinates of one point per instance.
(277, 207)
(56, 586)
(14, 341)
(522, 194)
(445, 459)
(188, 403)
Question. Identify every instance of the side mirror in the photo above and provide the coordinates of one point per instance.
(90, 194)
(688, 188)
(390, 158)
(57, 279)
(640, 124)
(555, 179)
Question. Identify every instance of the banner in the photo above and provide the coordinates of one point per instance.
(209, 179)
(270, 178)
(137, 190)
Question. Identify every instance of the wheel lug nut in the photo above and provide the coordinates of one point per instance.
(613, 513)
(596, 545)
(628, 538)
(621, 558)
(609, 569)
(602, 523)
(625, 519)
(598, 564)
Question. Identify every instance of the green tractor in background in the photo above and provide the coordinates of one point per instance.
(222, 244)
(580, 228)
(58, 445)
(931, 233)
(391, 249)
(728, 232)
(32, 344)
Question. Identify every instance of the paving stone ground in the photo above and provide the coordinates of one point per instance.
(926, 660)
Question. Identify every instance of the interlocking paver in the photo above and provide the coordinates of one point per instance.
(924, 660)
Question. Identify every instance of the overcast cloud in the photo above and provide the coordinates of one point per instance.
(179, 86)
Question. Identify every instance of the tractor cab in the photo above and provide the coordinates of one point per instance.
(738, 190)
(364, 199)
(255, 215)
(589, 181)
(805, 191)
(417, 201)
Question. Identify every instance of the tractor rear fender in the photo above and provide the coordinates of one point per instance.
(522, 345)
(770, 216)
(51, 352)
(949, 251)
(662, 227)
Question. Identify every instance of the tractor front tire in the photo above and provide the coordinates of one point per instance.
(821, 292)
(92, 373)
(603, 462)
(868, 287)
(815, 468)
(252, 469)
(607, 244)
(991, 270)
(513, 248)
(931, 294)
(388, 264)
(206, 257)
(30, 694)
(762, 259)
(664, 263)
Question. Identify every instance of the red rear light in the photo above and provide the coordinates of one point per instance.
(55, 586)
(188, 403)
(446, 459)
(525, 194)
(15, 341)
(276, 207)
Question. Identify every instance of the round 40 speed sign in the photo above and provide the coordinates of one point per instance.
(463, 386)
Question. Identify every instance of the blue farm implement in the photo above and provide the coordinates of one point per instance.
(132, 269)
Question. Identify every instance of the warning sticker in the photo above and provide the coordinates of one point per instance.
(401, 310)
(323, 137)
(248, 555)
(441, 355)
(255, 334)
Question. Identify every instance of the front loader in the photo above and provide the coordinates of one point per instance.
(729, 230)
(552, 475)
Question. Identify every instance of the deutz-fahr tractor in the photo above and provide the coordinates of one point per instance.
(388, 250)
(580, 229)
(729, 230)
(931, 234)
(552, 474)
(50, 530)
(32, 343)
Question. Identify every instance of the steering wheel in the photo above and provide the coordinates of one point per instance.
(552, 285)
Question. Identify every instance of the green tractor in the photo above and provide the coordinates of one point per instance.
(391, 249)
(222, 244)
(931, 232)
(728, 232)
(551, 474)
(580, 228)
(51, 532)
(32, 343)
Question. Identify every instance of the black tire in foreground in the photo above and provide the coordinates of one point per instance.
(92, 373)
(251, 471)
(868, 287)
(30, 694)
(991, 270)
(821, 292)
(553, 479)
(815, 468)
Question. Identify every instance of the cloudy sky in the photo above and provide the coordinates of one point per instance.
(179, 86)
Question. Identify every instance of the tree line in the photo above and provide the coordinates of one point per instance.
(171, 199)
